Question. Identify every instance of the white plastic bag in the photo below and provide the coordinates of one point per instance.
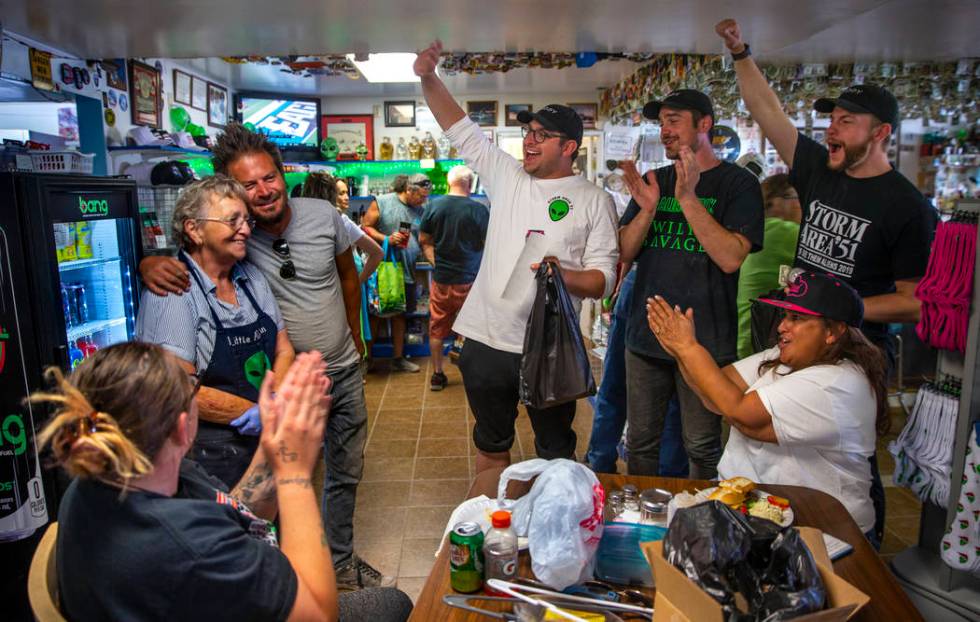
(561, 516)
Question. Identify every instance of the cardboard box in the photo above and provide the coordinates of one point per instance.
(680, 600)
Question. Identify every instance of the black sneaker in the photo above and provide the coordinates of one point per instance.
(357, 574)
(438, 381)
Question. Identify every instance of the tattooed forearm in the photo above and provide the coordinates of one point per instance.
(303, 482)
(252, 484)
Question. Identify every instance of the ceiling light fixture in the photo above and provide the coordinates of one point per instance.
(388, 67)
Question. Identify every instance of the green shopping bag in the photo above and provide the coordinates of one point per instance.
(390, 285)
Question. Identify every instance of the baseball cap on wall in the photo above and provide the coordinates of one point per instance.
(822, 295)
(556, 118)
(681, 99)
(863, 98)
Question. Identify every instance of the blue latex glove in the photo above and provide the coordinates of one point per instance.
(249, 424)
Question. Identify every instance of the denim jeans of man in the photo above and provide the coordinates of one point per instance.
(609, 405)
(343, 453)
(650, 384)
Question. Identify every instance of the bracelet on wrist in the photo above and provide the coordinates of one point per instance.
(745, 53)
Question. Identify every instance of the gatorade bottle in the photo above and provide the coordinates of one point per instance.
(500, 549)
(75, 354)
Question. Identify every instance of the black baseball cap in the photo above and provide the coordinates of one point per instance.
(822, 295)
(863, 98)
(681, 99)
(556, 118)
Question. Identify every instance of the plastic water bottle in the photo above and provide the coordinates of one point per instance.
(500, 549)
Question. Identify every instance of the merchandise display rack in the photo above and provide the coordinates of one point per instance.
(942, 592)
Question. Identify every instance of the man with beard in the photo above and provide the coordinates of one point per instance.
(862, 220)
(540, 195)
(689, 227)
(301, 247)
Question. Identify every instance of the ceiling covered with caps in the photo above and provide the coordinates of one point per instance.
(801, 31)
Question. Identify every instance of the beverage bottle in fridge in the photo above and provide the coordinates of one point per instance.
(81, 305)
(75, 354)
(87, 346)
(83, 236)
(500, 549)
(67, 297)
(70, 252)
(60, 239)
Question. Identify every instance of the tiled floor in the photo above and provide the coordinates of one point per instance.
(420, 459)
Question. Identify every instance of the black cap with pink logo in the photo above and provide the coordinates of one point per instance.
(822, 295)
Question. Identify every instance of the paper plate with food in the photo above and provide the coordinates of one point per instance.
(740, 494)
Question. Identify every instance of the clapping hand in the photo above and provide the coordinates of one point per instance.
(428, 59)
(688, 173)
(646, 194)
(673, 328)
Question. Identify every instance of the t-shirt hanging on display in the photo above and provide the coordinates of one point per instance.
(673, 264)
(870, 232)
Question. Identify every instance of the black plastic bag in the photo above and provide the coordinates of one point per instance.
(764, 321)
(793, 582)
(555, 368)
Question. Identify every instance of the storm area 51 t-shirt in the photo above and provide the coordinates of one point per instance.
(870, 231)
(673, 264)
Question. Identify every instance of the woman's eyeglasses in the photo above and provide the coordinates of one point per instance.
(235, 223)
(287, 270)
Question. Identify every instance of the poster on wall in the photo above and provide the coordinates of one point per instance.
(115, 73)
(199, 93)
(482, 112)
(144, 86)
(182, 87)
(349, 131)
(511, 111)
(217, 105)
(41, 76)
(586, 112)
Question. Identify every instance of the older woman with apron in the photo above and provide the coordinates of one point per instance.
(227, 331)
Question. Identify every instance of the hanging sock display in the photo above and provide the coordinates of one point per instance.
(947, 286)
(961, 544)
(924, 450)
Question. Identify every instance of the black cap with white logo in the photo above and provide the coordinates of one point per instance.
(822, 295)
(556, 118)
(863, 98)
(681, 99)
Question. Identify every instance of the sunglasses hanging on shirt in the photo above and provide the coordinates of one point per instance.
(287, 270)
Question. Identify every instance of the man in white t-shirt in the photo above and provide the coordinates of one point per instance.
(542, 195)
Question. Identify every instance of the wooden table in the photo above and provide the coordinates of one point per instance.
(862, 568)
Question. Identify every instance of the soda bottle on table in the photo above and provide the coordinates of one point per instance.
(500, 549)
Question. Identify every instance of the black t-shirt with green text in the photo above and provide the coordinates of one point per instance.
(673, 264)
(869, 232)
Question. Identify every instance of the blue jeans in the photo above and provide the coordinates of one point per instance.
(343, 453)
(610, 402)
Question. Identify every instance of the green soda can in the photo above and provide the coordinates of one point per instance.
(466, 557)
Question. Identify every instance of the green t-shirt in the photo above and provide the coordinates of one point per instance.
(760, 274)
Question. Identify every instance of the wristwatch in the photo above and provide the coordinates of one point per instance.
(743, 54)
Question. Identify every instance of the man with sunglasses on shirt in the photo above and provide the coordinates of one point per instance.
(541, 195)
(301, 247)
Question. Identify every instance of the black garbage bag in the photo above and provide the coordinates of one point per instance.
(792, 582)
(764, 321)
(707, 541)
(554, 367)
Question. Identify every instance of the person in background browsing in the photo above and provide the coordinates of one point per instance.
(452, 234)
(760, 271)
(395, 217)
(804, 413)
(862, 220)
(543, 195)
(301, 247)
(145, 534)
(227, 330)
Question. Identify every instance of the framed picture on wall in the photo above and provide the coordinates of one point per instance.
(199, 93)
(217, 105)
(144, 91)
(349, 130)
(115, 73)
(400, 114)
(182, 87)
(482, 113)
(588, 114)
(511, 111)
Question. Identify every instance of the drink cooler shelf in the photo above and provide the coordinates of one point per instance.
(66, 266)
(90, 328)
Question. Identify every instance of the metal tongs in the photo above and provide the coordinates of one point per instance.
(523, 611)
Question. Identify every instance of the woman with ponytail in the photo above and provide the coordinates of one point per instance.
(146, 534)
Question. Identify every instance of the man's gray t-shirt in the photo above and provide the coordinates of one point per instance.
(312, 303)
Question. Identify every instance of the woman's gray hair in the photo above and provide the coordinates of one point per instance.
(196, 198)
